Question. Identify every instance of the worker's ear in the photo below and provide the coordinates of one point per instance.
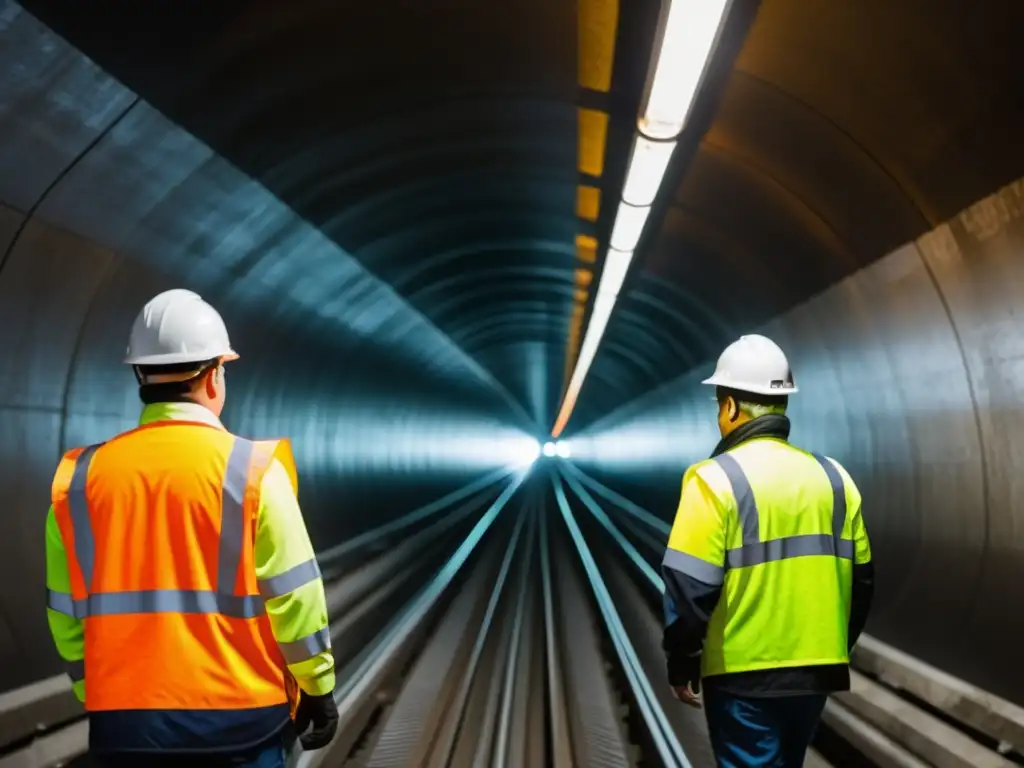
(213, 380)
(732, 408)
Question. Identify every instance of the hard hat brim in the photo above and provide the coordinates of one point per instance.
(714, 381)
(174, 358)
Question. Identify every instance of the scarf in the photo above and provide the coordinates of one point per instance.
(770, 425)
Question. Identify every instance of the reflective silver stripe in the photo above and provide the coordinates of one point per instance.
(701, 570)
(757, 552)
(232, 518)
(85, 546)
(290, 580)
(780, 549)
(744, 494)
(60, 602)
(169, 601)
(838, 495)
(306, 647)
(75, 670)
(229, 555)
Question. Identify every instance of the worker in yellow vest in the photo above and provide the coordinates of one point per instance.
(768, 573)
(183, 592)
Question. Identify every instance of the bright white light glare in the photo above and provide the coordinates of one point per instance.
(690, 32)
(668, 429)
(629, 223)
(420, 442)
(647, 166)
(549, 449)
(525, 451)
(563, 450)
(616, 264)
(646, 443)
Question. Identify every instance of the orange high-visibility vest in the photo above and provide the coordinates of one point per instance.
(159, 526)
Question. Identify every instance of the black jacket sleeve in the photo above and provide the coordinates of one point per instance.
(860, 600)
(689, 604)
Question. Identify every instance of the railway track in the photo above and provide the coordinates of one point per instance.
(516, 623)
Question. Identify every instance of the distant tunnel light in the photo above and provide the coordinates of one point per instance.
(526, 451)
(690, 31)
(560, 448)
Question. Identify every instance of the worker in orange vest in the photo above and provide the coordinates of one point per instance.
(183, 591)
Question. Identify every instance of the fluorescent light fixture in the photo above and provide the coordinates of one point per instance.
(629, 223)
(616, 264)
(691, 28)
(549, 449)
(647, 165)
(603, 304)
(690, 32)
(599, 315)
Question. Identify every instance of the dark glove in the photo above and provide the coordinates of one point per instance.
(683, 670)
(322, 712)
(682, 667)
(684, 677)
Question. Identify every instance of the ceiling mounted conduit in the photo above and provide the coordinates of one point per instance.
(689, 32)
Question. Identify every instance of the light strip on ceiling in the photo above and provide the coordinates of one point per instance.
(691, 29)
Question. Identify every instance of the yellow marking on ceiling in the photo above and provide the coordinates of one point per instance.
(586, 249)
(593, 132)
(597, 21)
(588, 202)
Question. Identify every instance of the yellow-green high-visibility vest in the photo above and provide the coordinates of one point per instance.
(781, 531)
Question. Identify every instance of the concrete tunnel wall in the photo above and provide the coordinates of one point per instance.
(104, 203)
(911, 373)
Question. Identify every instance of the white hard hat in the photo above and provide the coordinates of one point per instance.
(754, 364)
(177, 326)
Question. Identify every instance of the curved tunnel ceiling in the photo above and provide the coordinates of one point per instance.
(428, 142)
(388, 215)
(842, 131)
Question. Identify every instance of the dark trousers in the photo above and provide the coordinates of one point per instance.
(271, 754)
(761, 733)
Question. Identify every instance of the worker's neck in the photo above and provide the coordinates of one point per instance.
(189, 400)
(731, 426)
